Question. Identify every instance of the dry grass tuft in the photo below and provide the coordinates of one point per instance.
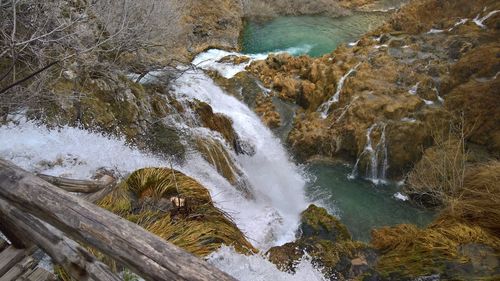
(416, 252)
(201, 229)
(479, 201)
(439, 176)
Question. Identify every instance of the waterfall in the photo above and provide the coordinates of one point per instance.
(480, 21)
(414, 89)
(277, 184)
(377, 164)
(76, 153)
(323, 108)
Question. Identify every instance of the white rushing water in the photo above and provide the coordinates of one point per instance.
(479, 21)
(325, 107)
(212, 59)
(277, 184)
(377, 157)
(258, 268)
(69, 152)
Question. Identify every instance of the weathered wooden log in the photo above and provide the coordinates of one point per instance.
(96, 196)
(75, 259)
(10, 257)
(18, 238)
(143, 252)
(18, 269)
(82, 186)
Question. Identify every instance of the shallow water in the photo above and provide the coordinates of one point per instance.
(360, 204)
(311, 35)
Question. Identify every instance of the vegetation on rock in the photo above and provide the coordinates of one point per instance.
(329, 245)
(198, 227)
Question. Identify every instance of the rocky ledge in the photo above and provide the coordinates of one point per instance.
(396, 88)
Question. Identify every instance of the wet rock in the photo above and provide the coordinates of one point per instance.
(329, 245)
(216, 122)
(215, 153)
(244, 147)
(265, 108)
(317, 223)
(233, 59)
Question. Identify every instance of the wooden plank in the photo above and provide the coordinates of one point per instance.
(76, 260)
(82, 186)
(37, 274)
(3, 245)
(18, 269)
(16, 237)
(146, 254)
(9, 257)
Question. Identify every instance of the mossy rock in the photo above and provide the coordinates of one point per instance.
(165, 140)
(216, 122)
(328, 243)
(215, 153)
(201, 228)
(317, 223)
(244, 86)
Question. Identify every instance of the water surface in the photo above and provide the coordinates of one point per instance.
(360, 204)
(312, 35)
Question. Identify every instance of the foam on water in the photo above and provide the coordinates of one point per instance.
(211, 59)
(69, 152)
(258, 268)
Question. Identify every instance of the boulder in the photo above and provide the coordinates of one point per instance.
(328, 243)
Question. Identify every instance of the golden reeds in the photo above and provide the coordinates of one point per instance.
(200, 229)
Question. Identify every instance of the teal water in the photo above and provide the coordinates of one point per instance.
(359, 204)
(311, 35)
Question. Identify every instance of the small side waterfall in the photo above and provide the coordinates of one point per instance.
(325, 107)
(480, 21)
(377, 157)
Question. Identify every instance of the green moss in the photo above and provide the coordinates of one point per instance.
(166, 140)
(328, 244)
(411, 252)
(316, 221)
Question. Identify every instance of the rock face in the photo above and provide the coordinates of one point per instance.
(210, 24)
(329, 245)
(423, 67)
(265, 108)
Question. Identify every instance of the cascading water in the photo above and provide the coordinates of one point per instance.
(277, 184)
(268, 220)
(325, 107)
(377, 164)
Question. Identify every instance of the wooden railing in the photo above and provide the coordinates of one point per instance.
(36, 213)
